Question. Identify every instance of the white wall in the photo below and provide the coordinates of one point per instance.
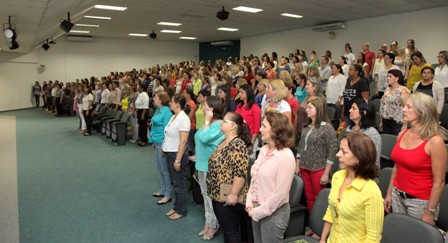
(67, 61)
(427, 27)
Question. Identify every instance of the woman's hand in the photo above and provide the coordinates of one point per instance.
(388, 203)
(209, 115)
(249, 211)
(428, 217)
(324, 179)
(232, 200)
(177, 166)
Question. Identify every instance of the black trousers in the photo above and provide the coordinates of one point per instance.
(88, 119)
(142, 126)
(37, 99)
(229, 218)
(58, 106)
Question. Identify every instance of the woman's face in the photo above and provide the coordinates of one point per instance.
(409, 113)
(270, 91)
(417, 60)
(221, 94)
(310, 89)
(227, 124)
(265, 131)
(341, 61)
(311, 111)
(205, 107)
(200, 99)
(261, 87)
(391, 79)
(334, 70)
(441, 59)
(387, 60)
(346, 157)
(355, 115)
(173, 104)
(157, 101)
(243, 95)
(351, 71)
(359, 56)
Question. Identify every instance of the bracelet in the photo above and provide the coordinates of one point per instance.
(431, 210)
(177, 161)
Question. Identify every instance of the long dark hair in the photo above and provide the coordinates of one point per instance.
(242, 127)
(367, 112)
(217, 105)
(226, 90)
(250, 95)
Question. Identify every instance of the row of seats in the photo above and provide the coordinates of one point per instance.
(111, 123)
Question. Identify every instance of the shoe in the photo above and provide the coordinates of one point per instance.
(142, 144)
(156, 194)
(171, 212)
(210, 236)
(203, 232)
(132, 141)
(163, 202)
(176, 216)
(82, 131)
(86, 134)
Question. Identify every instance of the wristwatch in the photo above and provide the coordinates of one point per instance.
(432, 210)
(207, 123)
(177, 161)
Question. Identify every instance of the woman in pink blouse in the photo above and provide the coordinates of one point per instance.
(267, 201)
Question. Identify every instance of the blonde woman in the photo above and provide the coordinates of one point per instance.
(275, 93)
(419, 155)
(285, 76)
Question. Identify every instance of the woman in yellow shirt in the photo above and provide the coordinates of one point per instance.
(414, 74)
(355, 210)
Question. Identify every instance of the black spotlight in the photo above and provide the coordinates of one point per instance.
(13, 45)
(66, 25)
(153, 35)
(223, 14)
(46, 46)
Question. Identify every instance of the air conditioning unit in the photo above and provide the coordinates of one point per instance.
(330, 26)
(221, 43)
(80, 38)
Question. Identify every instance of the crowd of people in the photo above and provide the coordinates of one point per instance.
(274, 110)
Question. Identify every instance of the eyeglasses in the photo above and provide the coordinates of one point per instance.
(228, 121)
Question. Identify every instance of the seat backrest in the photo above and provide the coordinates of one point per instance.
(377, 120)
(249, 177)
(125, 117)
(103, 109)
(110, 112)
(442, 221)
(384, 180)
(117, 115)
(403, 228)
(318, 211)
(296, 191)
(444, 116)
(376, 103)
(388, 142)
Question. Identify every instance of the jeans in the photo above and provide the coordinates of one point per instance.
(37, 99)
(179, 181)
(229, 218)
(412, 207)
(134, 124)
(162, 168)
(271, 229)
(312, 186)
(210, 217)
(81, 117)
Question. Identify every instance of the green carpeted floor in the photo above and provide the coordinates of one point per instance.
(86, 189)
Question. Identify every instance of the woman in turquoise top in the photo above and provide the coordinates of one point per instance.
(162, 116)
(207, 139)
(300, 93)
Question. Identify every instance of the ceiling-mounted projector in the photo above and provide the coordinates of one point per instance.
(223, 14)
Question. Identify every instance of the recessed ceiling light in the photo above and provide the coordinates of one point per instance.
(80, 31)
(169, 23)
(136, 34)
(247, 9)
(187, 38)
(171, 31)
(109, 7)
(88, 25)
(96, 17)
(291, 15)
(227, 29)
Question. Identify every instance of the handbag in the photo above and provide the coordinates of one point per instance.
(224, 191)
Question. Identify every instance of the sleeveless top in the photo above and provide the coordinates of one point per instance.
(414, 174)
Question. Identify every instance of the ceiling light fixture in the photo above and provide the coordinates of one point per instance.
(46, 46)
(169, 24)
(153, 35)
(292, 15)
(66, 25)
(136, 34)
(227, 29)
(187, 38)
(10, 35)
(171, 31)
(223, 14)
(88, 25)
(247, 9)
(109, 7)
(80, 31)
(97, 17)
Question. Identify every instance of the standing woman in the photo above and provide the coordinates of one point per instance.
(207, 139)
(261, 91)
(162, 115)
(400, 61)
(419, 155)
(355, 201)
(141, 104)
(357, 87)
(250, 111)
(228, 166)
(200, 114)
(300, 82)
(267, 201)
(133, 112)
(414, 74)
(382, 83)
(431, 87)
(36, 92)
(275, 94)
(78, 99)
(225, 96)
(441, 71)
(392, 103)
(191, 111)
(335, 88)
(176, 155)
(87, 103)
(317, 149)
(362, 115)
(343, 62)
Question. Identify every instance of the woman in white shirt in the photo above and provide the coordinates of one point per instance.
(343, 62)
(335, 88)
(441, 71)
(174, 147)
(87, 102)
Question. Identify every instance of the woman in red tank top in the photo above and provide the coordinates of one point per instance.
(420, 157)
